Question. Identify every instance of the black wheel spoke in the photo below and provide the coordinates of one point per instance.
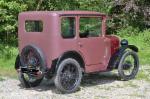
(69, 76)
(129, 65)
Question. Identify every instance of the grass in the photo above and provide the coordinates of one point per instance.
(144, 49)
(7, 60)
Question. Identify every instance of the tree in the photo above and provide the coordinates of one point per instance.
(8, 19)
(123, 13)
(133, 13)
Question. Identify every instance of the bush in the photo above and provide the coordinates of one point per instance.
(128, 31)
(7, 60)
(7, 52)
(146, 36)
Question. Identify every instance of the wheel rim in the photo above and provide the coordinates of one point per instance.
(69, 76)
(129, 65)
(31, 61)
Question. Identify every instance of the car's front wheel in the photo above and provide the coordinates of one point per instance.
(129, 65)
(68, 76)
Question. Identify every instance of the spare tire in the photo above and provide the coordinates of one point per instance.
(33, 66)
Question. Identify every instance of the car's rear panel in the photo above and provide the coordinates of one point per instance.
(42, 39)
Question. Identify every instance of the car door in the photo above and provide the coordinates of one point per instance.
(91, 43)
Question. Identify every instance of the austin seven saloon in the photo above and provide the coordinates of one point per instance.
(65, 45)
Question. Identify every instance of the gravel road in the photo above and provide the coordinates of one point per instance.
(95, 86)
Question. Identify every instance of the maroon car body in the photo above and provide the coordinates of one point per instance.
(94, 53)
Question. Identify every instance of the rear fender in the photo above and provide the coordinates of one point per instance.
(71, 54)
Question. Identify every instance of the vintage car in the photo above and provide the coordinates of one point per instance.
(65, 45)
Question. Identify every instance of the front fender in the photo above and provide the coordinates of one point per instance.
(114, 61)
(133, 47)
(123, 48)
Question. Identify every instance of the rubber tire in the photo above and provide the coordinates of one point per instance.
(21, 78)
(26, 84)
(136, 69)
(17, 62)
(23, 81)
(60, 67)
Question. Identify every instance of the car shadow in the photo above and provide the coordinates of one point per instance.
(87, 81)
(45, 85)
(99, 79)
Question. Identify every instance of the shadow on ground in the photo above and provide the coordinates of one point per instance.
(1, 78)
(87, 81)
(99, 79)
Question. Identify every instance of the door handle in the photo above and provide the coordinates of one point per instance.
(80, 45)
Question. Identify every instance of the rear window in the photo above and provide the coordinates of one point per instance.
(33, 26)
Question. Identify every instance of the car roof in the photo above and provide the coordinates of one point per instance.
(63, 13)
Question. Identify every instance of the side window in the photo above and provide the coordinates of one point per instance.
(33, 26)
(68, 27)
(90, 27)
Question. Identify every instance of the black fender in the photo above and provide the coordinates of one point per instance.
(114, 60)
(133, 47)
(68, 54)
(123, 48)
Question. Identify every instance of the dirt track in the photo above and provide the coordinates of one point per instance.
(97, 86)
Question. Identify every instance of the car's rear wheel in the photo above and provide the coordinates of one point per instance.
(31, 66)
(68, 76)
(129, 65)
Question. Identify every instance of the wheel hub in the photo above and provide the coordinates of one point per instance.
(67, 75)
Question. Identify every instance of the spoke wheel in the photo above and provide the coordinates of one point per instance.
(31, 66)
(68, 76)
(128, 65)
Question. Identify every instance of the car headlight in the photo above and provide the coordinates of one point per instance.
(124, 42)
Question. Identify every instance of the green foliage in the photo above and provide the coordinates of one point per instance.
(7, 52)
(141, 40)
(133, 13)
(8, 19)
(7, 57)
(128, 31)
(122, 13)
(7, 60)
(146, 36)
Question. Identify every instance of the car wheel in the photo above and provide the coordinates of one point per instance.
(32, 66)
(68, 76)
(129, 65)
